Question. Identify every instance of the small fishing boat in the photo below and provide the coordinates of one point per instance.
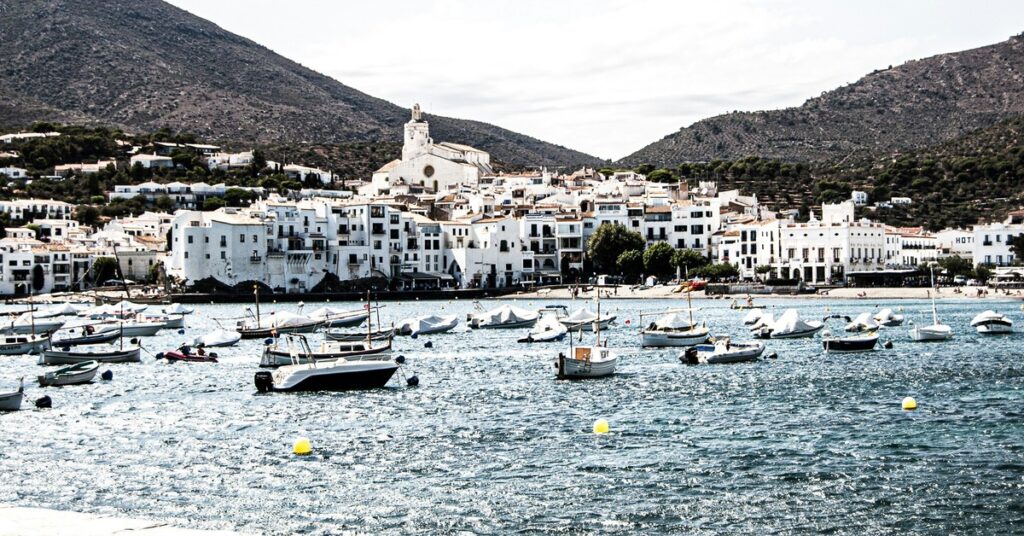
(791, 326)
(76, 374)
(177, 309)
(282, 352)
(547, 329)
(330, 375)
(12, 401)
(991, 322)
(378, 335)
(587, 361)
(723, 351)
(92, 334)
(425, 325)
(139, 328)
(864, 322)
(673, 329)
(937, 331)
(218, 337)
(62, 357)
(887, 318)
(278, 324)
(503, 317)
(862, 342)
(23, 344)
(27, 323)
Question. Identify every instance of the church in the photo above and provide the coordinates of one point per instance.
(428, 166)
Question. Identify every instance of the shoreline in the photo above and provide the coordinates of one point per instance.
(870, 293)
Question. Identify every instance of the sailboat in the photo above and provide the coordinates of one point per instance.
(65, 356)
(290, 323)
(587, 361)
(673, 329)
(25, 344)
(937, 331)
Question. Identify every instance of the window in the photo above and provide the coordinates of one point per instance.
(189, 239)
(223, 255)
(186, 254)
(241, 238)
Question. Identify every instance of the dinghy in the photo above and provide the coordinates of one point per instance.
(23, 344)
(723, 351)
(12, 401)
(61, 357)
(547, 329)
(887, 318)
(503, 317)
(425, 325)
(185, 353)
(217, 337)
(991, 322)
(76, 374)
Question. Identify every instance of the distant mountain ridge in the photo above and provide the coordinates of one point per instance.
(145, 64)
(914, 105)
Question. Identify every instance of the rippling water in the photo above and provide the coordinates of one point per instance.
(490, 442)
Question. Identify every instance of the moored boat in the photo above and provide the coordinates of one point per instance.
(889, 319)
(587, 361)
(378, 335)
(723, 351)
(791, 326)
(425, 325)
(991, 322)
(282, 352)
(328, 375)
(23, 344)
(674, 329)
(76, 374)
(586, 320)
(547, 329)
(178, 309)
(62, 357)
(503, 317)
(11, 401)
(217, 338)
(91, 334)
(864, 322)
(937, 331)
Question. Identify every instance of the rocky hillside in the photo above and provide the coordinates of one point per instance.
(910, 106)
(144, 64)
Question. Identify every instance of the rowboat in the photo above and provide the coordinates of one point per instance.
(12, 401)
(106, 333)
(23, 344)
(61, 357)
(76, 374)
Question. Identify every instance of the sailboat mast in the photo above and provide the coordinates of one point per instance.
(597, 327)
(369, 321)
(256, 292)
(689, 307)
(935, 313)
(32, 312)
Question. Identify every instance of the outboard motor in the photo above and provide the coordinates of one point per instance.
(264, 381)
(690, 356)
(107, 375)
(44, 402)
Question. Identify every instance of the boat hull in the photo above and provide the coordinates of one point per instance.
(511, 325)
(10, 347)
(11, 401)
(797, 334)
(355, 336)
(25, 329)
(55, 357)
(262, 333)
(348, 377)
(850, 344)
(141, 330)
(994, 328)
(926, 334)
(77, 374)
(664, 339)
(98, 338)
(345, 322)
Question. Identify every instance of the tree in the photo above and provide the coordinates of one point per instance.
(762, 270)
(38, 279)
(688, 260)
(608, 242)
(658, 259)
(956, 265)
(235, 196)
(982, 273)
(715, 272)
(630, 264)
(660, 175)
(87, 215)
(644, 169)
(212, 203)
(104, 268)
(164, 202)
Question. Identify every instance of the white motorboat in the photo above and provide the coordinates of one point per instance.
(218, 337)
(281, 352)
(863, 322)
(721, 352)
(753, 316)
(861, 342)
(76, 374)
(547, 329)
(12, 401)
(323, 375)
(937, 331)
(425, 325)
(585, 320)
(791, 326)
(673, 329)
(169, 321)
(887, 318)
(178, 309)
(23, 344)
(991, 322)
(587, 361)
(503, 317)
(28, 323)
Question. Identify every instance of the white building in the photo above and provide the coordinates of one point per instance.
(14, 172)
(83, 168)
(826, 250)
(30, 209)
(993, 243)
(152, 161)
(859, 198)
(956, 242)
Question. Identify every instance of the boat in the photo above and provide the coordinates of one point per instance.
(887, 318)
(169, 321)
(863, 322)
(749, 304)
(861, 342)
(586, 320)
(278, 323)
(63, 309)
(76, 374)
(587, 361)
(503, 317)
(91, 335)
(425, 325)
(331, 375)
(218, 337)
(753, 316)
(673, 329)
(991, 322)
(177, 309)
(791, 326)
(281, 352)
(62, 357)
(339, 318)
(547, 329)
(28, 323)
(762, 329)
(12, 401)
(184, 353)
(722, 351)
(378, 335)
(937, 331)
(140, 328)
(23, 344)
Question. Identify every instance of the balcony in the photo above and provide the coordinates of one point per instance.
(255, 259)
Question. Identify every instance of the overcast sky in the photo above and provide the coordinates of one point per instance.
(606, 76)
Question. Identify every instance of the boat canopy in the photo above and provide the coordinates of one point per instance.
(217, 337)
(425, 323)
(178, 309)
(284, 319)
(753, 316)
(324, 312)
(885, 315)
(790, 322)
(863, 322)
(988, 316)
(673, 321)
(505, 314)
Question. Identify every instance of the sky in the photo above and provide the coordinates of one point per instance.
(606, 77)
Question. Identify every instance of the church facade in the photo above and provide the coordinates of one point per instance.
(429, 166)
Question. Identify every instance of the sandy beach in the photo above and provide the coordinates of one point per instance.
(665, 291)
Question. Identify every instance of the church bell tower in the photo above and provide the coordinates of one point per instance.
(417, 135)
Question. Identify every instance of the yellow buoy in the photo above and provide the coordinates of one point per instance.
(302, 447)
(600, 426)
(909, 404)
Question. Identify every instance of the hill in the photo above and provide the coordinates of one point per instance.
(911, 106)
(143, 65)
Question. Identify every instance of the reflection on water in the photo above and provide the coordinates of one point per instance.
(490, 442)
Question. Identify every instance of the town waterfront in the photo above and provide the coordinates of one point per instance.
(490, 442)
